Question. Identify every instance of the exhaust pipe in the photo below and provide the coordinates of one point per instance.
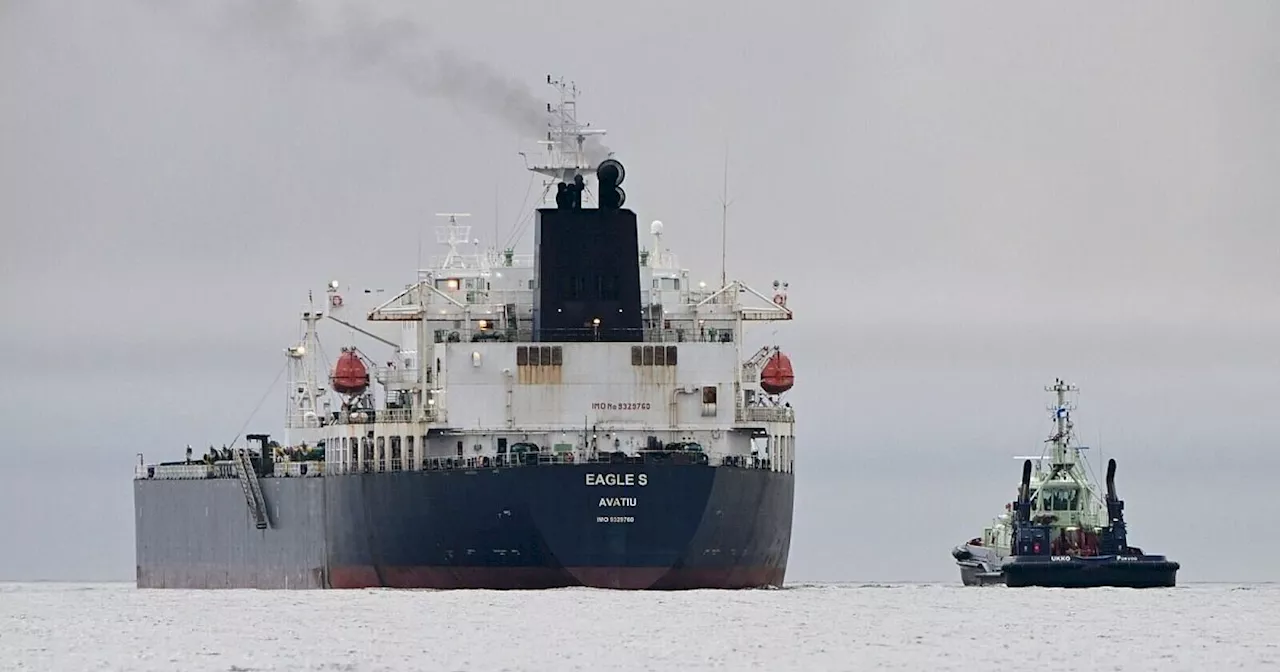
(1111, 479)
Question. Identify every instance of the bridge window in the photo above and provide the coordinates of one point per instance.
(1061, 499)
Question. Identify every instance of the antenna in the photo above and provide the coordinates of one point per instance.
(1063, 436)
(724, 219)
(452, 235)
(565, 137)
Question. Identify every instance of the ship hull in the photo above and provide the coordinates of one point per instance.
(1150, 571)
(979, 575)
(626, 526)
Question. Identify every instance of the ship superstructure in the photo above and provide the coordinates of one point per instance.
(582, 415)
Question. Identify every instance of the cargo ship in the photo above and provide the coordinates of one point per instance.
(1061, 530)
(586, 415)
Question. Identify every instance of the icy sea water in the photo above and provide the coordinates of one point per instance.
(72, 627)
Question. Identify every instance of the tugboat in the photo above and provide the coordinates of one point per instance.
(1059, 532)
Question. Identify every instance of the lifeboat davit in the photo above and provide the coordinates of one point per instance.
(777, 376)
(350, 376)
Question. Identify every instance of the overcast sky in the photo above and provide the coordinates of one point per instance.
(968, 199)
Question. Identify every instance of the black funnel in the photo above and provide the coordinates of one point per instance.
(587, 268)
(1022, 509)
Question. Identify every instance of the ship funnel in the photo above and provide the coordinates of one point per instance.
(1115, 541)
(610, 174)
(1025, 492)
(1022, 508)
(587, 266)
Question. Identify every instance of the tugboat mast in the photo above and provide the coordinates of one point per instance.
(1061, 439)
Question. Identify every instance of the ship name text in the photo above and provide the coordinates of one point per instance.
(618, 479)
(620, 405)
(617, 501)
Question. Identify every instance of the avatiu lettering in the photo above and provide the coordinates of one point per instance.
(618, 479)
(617, 501)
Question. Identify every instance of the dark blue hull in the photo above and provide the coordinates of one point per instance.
(1147, 571)
(637, 526)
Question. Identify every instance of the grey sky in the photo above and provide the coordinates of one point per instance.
(967, 199)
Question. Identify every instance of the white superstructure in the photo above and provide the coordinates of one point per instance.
(466, 385)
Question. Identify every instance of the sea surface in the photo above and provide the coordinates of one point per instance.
(73, 627)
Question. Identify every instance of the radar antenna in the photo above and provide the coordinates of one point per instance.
(567, 139)
(452, 234)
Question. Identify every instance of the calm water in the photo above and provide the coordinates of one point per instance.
(67, 627)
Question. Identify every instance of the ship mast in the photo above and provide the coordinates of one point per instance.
(1061, 439)
(453, 234)
(568, 141)
(305, 391)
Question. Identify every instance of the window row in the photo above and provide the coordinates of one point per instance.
(539, 355)
(653, 355)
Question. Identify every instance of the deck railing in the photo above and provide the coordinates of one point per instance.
(312, 469)
(766, 414)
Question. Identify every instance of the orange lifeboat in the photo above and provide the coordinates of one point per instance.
(777, 376)
(350, 376)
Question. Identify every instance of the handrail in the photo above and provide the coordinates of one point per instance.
(316, 469)
(652, 334)
(766, 414)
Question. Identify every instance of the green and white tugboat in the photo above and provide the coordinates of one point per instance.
(1062, 530)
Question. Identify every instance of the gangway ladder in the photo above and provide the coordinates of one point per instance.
(252, 490)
